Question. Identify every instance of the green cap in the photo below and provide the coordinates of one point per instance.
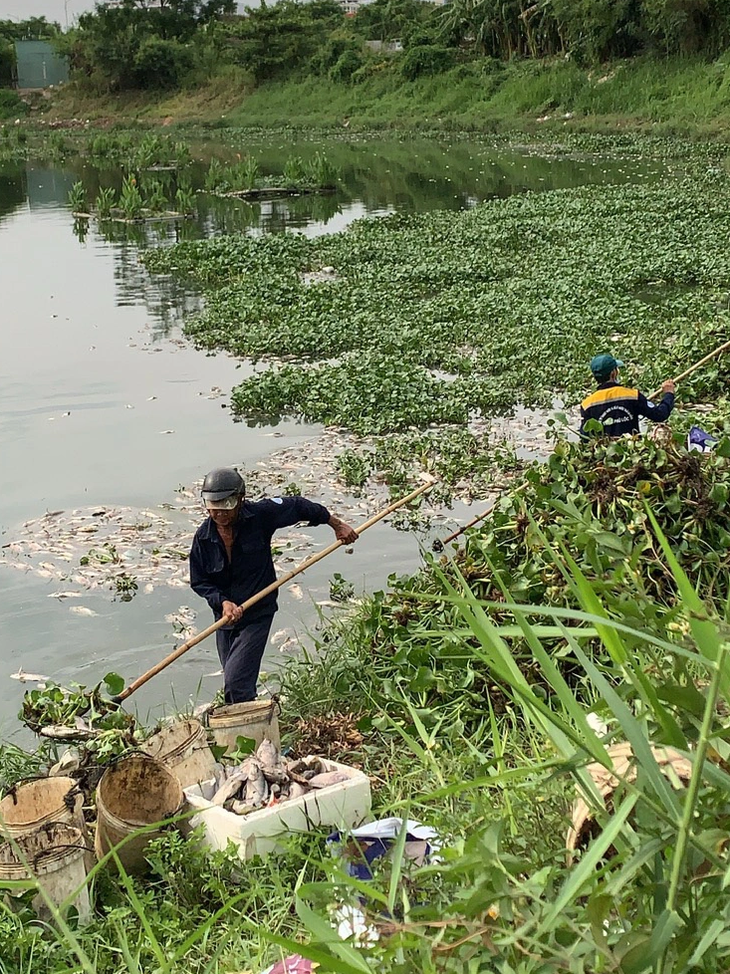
(603, 365)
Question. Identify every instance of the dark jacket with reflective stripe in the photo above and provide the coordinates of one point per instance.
(251, 567)
(619, 408)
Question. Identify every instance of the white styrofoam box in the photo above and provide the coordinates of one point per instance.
(341, 806)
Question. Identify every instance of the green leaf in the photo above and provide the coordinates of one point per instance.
(114, 683)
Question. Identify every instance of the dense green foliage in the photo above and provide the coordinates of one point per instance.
(136, 46)
(433, 315)
(183, 41)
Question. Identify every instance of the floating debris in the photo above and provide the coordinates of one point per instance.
(91, 547)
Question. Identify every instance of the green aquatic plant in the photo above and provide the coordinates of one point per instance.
(185, 199)
(477, 298)
(354, 468)
(155, 197)
(214, 177)
(130, 199)
(77, 198)
(105, 201)
(294, 171)
(321, 172)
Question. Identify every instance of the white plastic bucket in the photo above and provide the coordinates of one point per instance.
(55, 855)
(256, 719)
(135, 792)
(183, 748)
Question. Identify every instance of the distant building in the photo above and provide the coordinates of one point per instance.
(38, 65)
(384, 47)
(350, 7)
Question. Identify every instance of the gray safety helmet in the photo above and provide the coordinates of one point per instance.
(221, 483)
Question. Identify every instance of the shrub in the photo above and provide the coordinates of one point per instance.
(426, 59)
(11, 105)
(162, 64)
(347, 64)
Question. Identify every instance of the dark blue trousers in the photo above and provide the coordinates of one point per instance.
(240, 652)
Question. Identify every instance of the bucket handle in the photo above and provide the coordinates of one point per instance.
(81, 846)
(68, 800)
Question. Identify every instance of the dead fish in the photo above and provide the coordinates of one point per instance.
(231, 787)
(64, 595)
(28, 677)
(296, 790)
(267, 754)
(329, 778)
(242, 807)
(256, 787)
(296, 591)
(81, 610)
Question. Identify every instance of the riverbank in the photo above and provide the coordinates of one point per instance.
(672, 97)
(471, 714)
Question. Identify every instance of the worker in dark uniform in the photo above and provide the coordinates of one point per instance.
(617, 407)
(230, 560)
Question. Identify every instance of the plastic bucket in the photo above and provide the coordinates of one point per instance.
(55, 855)
(38, 801)
(257, 719)
(136, 792)
(183, 748)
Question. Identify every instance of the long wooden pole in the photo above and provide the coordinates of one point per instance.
(439, 544)
(178, 652)
(693, 368)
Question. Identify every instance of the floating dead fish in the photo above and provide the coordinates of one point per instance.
(279, 636)
(296, 591)
(64, 595)
(28, 677)
(81, 610)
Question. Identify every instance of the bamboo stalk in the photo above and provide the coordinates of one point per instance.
(693, 368)
(225, 620)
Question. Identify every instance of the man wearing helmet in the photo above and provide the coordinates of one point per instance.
(230, 560)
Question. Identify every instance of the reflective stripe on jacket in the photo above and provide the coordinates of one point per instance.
(618, 408)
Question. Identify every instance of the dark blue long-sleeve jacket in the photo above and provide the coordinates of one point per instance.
(251, 567)
(619, 409)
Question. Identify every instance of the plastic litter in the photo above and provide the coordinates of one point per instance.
(699, 441)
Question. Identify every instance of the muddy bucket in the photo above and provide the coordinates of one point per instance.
(136, 792)
(38, 801)
(257, 719)
(55, 855)
(183, 748)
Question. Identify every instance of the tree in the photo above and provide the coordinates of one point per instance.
(120, 46)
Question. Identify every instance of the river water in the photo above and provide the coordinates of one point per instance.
(103, 402)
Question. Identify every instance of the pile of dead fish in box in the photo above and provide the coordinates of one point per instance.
(265, 779)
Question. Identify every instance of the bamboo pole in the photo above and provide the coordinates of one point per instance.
(693, 368)
(225, 620)
(440, 543)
